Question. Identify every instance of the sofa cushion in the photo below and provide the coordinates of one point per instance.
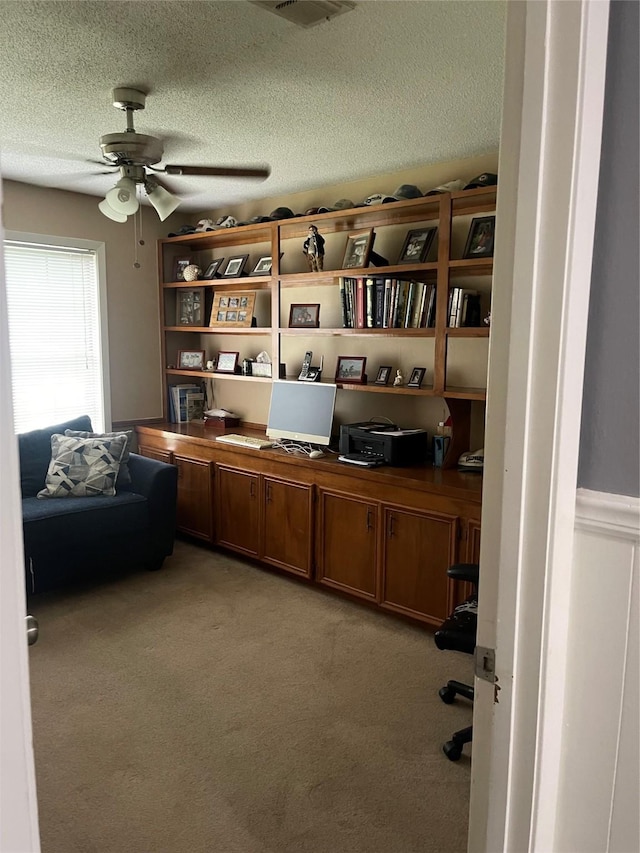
(35, 453)
(56, 525)
(124, 477)
(82, 467)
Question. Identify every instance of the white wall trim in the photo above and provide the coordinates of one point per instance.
(601, 512)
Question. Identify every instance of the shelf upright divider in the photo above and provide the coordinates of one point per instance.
(442, 292)
(276, 296)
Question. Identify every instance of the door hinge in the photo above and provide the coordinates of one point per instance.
(485, 663)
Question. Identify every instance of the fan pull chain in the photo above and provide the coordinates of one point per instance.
(137, 240)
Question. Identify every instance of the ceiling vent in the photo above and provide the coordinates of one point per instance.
(306, 13)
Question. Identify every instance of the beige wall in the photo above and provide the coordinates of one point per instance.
(132, 294)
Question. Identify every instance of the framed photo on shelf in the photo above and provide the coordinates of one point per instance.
(384, 374)
(350, 368)
(356, 252)
(227, 362)
(416, 245)
(417, 375)
(235, 266)
(178, 268)
(481, 238)
(212, 270)
(263, 267)
(304, 316)
(191, 359)
(190, 307)
(233, 309)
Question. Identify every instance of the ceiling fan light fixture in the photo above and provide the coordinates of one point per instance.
(109, 212)
(163, 201)
(122, 198)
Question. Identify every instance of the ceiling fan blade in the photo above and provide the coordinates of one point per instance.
(220, 171)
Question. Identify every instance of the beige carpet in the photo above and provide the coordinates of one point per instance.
(216, 707)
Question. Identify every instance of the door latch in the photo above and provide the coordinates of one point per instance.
(485, 663)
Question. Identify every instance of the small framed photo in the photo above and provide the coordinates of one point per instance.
(227, 362)
(356, 252)
(178, 268)
(233, 309)
(384, 373)
(351, 369)
(481, 238)
(190, 307)
(305, 316)
(212, 270)
(235, 266)
(417, 375)
(191, 359)
(263, 267)
(416, 245)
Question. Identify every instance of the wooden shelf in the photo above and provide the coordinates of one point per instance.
(457, 393)
(211, 374)
(383, 333)
(246, 282)
(468, 332)
(330, 277)
(471, 266)
(220, 330)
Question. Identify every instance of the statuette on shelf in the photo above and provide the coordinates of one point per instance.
(399, 380)
(191, 272)
(313, 248)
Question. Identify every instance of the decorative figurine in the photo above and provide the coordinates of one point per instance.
(399, 380)
(191, 272)
(487, 319)
(313, 248)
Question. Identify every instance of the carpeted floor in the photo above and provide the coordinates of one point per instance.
(216, 707)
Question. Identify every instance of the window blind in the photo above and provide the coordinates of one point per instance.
(54, 334)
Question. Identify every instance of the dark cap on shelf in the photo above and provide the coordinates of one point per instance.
(281, 213)
(486, 179)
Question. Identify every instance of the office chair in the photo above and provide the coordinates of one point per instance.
(458, 633)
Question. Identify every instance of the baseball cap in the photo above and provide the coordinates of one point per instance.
(449, 187)
(379, 198)
(341, 204)
(486, 179)
(406, 191)
(225, 222)
(282, 213)
(255, 219)
(204, 225)
(311, 211)
(186, 229)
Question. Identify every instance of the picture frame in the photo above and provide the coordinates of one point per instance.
(304, 316)
(212, 271)
(227, 362)
(179, 265)
(416, 245)
(235, 266)
(263, 267)
(350, 369)
(233, 310)
(191, 359)
(481, 238)
(384, 374)
(190, 306)
(416, 378)
(357, 249)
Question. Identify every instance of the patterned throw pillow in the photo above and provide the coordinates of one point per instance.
(83, 467)
(124, 477)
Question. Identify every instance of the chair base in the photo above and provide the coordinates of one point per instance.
(453, 748)
(455, 688)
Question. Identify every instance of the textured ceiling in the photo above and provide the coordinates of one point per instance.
(388, 86)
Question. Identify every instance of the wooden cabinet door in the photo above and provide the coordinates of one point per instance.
(195, 505)
(287, 525)
(418, 548)
(238, 510)
(154, 453)
(347, 544)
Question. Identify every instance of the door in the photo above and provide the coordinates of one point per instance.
(238, 510)
(287, 525)
(195, 504)
(418, 548)
(353, 568)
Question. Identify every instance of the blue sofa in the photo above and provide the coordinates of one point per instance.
(76, 538)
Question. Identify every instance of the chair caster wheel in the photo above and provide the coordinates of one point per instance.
(452, 750)
(447, 695)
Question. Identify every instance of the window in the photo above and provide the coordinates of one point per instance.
(56, 339)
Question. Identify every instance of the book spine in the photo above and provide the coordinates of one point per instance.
(360, 310)
(379, 303)
(370, 297)
(343, 302)
(387, 303)
(408, 308)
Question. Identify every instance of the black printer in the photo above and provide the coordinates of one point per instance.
(387, 442)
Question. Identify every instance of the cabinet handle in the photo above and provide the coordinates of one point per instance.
(391, 527)
(369, 525)
(268, 494)
(252, 490)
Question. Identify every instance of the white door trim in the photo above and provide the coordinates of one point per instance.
(549, 165)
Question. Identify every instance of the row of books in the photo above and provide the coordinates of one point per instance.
(464, 308)
(369, 302)
(186, 403)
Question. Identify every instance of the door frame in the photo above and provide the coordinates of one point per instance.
(549, 167)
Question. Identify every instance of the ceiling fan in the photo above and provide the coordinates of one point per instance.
(134, 155)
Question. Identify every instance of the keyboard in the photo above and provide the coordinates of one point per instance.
(249, 441)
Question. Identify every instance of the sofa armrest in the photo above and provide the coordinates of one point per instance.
(158, 482)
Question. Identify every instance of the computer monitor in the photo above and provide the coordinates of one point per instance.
(302, 411)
